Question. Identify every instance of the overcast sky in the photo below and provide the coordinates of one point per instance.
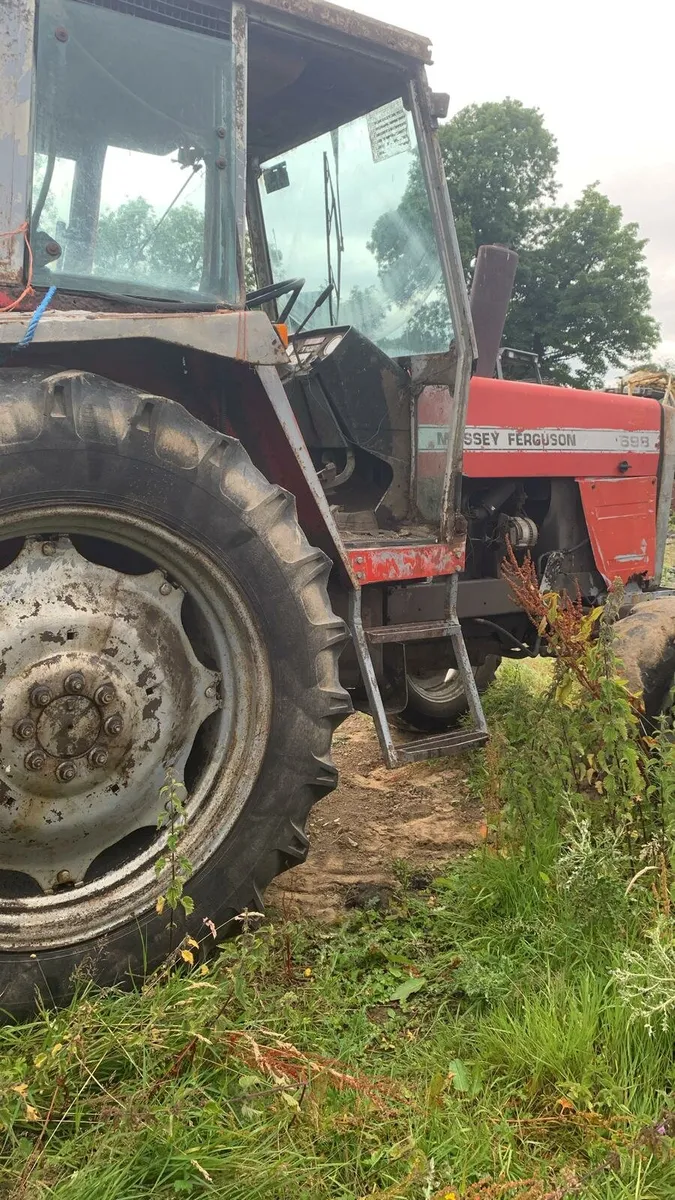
(601, 73)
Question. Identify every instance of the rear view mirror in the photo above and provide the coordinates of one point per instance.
(275, 178)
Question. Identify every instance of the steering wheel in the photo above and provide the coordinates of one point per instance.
(274, 291)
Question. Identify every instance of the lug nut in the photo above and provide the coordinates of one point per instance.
(165, 589)
(65, 772)
(74, 682)
(64, 877)
(24, 729)
(40, 695)
(113, 725)
(105, 694)
(48, 548)
(98, 756)
(34, 760)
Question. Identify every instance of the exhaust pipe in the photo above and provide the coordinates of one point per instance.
(491, 290)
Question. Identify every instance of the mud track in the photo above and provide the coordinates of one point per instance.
(418, 814)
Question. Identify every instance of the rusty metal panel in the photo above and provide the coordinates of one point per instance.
(244, 336)
(333, 19)
(392, 563)
(16, 76)
(240, 58)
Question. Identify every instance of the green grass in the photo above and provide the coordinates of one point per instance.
(297, 1069)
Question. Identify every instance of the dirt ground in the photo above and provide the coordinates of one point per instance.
(418, 814)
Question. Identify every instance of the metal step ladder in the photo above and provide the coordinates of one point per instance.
(439, 745)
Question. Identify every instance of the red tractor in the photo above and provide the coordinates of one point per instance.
(246, 477)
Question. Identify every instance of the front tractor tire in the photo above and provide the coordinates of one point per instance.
(163, 619)
(644, 642)
(436, 698)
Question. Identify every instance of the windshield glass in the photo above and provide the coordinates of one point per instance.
(350, 209)
(133, 176)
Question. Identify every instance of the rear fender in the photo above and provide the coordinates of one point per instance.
(244, 399)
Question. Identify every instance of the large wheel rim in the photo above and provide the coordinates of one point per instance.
(202, 711)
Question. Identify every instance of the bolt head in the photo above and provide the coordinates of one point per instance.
(221, 131)
(165, 589)
(74, 682)
(40, 695)
(113, 725)
(64, 877)
(98, 756)
(65, 772)
(210, 691)
(34, 760)
(61, 34)
(105, 694)
(24, 729)
(220, 164)
(49, 549)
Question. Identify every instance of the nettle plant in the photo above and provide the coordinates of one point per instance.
(618, 811)
(178, 868)
(622, 768)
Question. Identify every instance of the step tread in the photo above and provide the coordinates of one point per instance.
(411, 632)
(441, 745)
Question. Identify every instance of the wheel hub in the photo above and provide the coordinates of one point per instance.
(102, 697)
(69, 726)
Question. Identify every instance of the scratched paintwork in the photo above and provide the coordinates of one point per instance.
(387, 564)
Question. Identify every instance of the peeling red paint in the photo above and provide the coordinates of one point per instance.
(383, 564)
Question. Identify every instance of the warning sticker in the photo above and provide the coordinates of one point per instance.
(389, 131)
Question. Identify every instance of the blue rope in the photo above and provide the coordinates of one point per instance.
(32, 325)
(35, 320)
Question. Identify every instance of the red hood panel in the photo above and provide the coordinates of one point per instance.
(531, 429)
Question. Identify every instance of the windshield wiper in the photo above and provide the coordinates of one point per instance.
(321, 299)
(195, 167)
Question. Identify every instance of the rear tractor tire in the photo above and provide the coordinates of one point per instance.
(162, 618)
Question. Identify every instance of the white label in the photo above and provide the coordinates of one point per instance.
(389, 131)
(434, 438)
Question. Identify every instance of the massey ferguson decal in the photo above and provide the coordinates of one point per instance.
(530, 429)
(608, 444)
(432, 438)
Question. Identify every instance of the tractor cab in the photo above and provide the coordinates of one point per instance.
(163, 131)
(210, 156)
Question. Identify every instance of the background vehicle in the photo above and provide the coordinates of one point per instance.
(210, 490)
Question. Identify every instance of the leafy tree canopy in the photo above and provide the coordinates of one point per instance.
(132, 242)
(582, 293)
(582, 296)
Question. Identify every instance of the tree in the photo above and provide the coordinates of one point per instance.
(500, 162)
(582, 297)
(131, 242)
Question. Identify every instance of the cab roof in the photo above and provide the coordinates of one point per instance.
(351, 25)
